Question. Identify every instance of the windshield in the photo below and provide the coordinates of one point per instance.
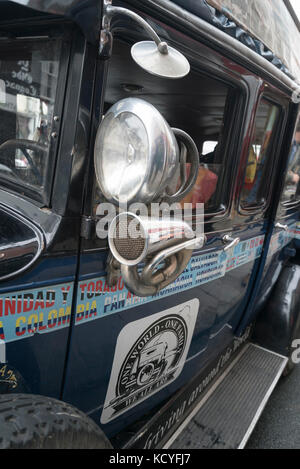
(28, 82)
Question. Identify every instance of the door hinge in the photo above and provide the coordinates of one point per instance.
(88, 227)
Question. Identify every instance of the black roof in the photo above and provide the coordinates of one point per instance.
(86, 13)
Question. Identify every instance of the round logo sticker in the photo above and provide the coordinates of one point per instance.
(154, 356)
(150, 354)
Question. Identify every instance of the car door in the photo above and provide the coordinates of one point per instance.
(217, 105)
(41, 154)
(283, 242)
(286, 226)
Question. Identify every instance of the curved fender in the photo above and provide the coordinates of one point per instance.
(279, 322)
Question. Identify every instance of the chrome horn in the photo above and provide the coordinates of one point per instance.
(165, 247)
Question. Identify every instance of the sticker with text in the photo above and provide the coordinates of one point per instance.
(37, 311)
(150, 353)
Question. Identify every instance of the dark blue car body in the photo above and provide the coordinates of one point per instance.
(62, 341)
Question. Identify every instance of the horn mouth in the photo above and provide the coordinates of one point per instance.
(132, 238)
(128, 240)
(165, 246)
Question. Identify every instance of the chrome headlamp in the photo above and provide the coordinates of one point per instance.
(138, 158)
(137, 155)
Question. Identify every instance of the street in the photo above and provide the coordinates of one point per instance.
(279, 425)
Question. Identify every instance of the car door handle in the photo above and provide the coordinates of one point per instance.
(282, 227)
(232, 242)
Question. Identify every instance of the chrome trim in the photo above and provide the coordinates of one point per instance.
(110, 11)
(232, 242)
(163, 151)
(161, 278)
(155, 57)
(227, 43)
(290, 203)
(39, 239)
(158, 234)
(282, 227)
(168, 242)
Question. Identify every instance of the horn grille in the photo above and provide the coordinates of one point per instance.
(129, 241)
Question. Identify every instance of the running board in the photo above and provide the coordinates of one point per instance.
(228, 413)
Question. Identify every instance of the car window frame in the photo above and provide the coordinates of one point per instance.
(236, 99)
(35, 195)
(289, 205)
(260, 209)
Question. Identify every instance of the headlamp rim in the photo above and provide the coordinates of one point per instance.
(163, 151)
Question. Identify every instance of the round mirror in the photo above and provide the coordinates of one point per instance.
(168, 64)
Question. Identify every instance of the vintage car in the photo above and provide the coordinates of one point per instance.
(111, 113)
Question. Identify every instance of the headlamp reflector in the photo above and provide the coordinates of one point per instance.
(122, 144)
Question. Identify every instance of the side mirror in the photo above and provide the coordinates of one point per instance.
(21, 243)
(156, 56)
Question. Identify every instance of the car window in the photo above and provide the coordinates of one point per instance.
(260, 157)
(198, 104)
(28, 82)
(209, 146)
(291, 190)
